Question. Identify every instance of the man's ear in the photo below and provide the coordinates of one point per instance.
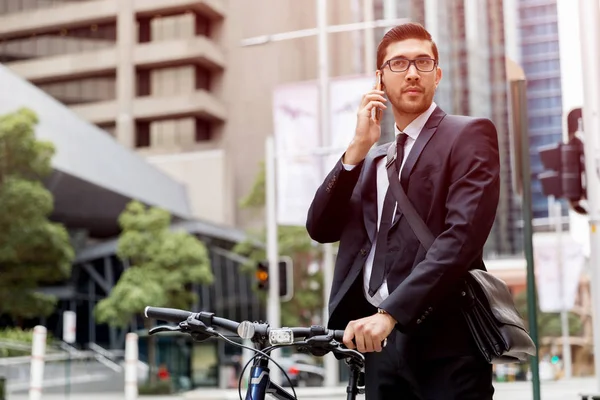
(438, 76)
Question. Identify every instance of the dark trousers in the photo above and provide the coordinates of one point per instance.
(389, 376)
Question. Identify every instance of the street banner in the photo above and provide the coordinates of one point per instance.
(557, 278)
(303, 156)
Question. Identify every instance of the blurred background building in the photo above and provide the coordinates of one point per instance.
(535, 46)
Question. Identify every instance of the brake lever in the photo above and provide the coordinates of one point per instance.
(197, 329)
(164, 328)
(344, 352)
(320, 345)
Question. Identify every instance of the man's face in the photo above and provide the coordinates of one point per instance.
(410, 91)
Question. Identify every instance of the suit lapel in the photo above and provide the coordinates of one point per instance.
(369, 191)
(415, 152)
(422, 140)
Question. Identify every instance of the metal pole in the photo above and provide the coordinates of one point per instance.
(519, 105)
(273, 304)
(356, 26)
(555, 207)
(331, 364)
(131, 366)
(389, 11)
(589, 18)
(38, 352)
(369, 38)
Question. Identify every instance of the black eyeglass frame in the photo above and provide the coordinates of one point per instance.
(410, 62)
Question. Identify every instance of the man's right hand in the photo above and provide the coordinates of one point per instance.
(368, 130)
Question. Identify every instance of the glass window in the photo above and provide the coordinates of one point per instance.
(537, 11)
(543, 84)
(532, 49)
(546, 120)
(542, 103)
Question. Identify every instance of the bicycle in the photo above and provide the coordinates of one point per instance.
(315, 340)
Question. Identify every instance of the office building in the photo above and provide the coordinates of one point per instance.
(536, 48)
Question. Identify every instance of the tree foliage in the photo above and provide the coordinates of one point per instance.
(33, 250)
(294, 242)
(163, 265)
(549, 324)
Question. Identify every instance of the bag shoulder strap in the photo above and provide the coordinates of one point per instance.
(417, 224)
(415, 221)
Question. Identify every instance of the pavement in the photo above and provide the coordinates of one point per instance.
(555, 390)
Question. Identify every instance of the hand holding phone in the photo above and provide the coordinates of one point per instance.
(378, 111)
(368, 127)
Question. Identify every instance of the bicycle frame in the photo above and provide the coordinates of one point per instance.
(260, 384)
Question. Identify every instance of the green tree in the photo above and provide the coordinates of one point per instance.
(163, 264)
(33, 250)
(549, 324)
(294, 242)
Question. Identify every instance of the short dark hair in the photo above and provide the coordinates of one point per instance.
(410, 30)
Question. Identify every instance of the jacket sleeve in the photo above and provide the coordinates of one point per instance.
(328, 211)
(473, 195)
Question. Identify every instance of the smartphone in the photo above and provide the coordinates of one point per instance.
(378, 111)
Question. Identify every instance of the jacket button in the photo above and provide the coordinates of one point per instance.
(430, 309)
(363, 252)
(418, 321)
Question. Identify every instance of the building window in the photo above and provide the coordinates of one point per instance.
(142, 134)
(203, 130)
(202, 78)
(82, 91)
(109, 128)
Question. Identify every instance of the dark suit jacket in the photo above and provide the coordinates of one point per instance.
(451, 176)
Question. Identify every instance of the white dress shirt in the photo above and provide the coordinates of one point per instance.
(412, 131)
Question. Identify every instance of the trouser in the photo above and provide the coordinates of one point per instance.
(389, 376)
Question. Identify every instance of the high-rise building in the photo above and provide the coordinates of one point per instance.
(536, 48)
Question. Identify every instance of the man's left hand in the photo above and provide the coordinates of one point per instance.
(369, 333)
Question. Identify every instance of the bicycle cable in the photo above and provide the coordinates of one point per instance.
(251, 359)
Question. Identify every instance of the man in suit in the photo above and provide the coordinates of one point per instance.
(385, 285)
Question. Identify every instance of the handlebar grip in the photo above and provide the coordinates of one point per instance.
(338, 335)
(167, 314)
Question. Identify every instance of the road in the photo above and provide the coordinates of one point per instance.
(561, 390)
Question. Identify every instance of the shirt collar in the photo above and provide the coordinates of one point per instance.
(414, 128)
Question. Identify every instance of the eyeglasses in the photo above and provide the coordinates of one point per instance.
(403, 64)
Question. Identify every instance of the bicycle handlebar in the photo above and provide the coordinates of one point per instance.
(317, 340)
(177, 316)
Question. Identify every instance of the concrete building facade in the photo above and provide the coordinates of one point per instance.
(170, 79)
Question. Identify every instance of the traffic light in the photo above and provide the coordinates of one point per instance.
(286, 277)
(551, 178)
(262, 275)
(564, 167)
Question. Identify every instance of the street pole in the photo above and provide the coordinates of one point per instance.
(555, 212)
(273, 303)
(331, 363)
(589, 18)
(390, 9)
(357, 26)
(369, 38)
(519, 108)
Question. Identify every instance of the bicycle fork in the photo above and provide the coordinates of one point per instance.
(260, 384)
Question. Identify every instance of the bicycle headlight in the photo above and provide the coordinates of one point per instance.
(281, 336)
